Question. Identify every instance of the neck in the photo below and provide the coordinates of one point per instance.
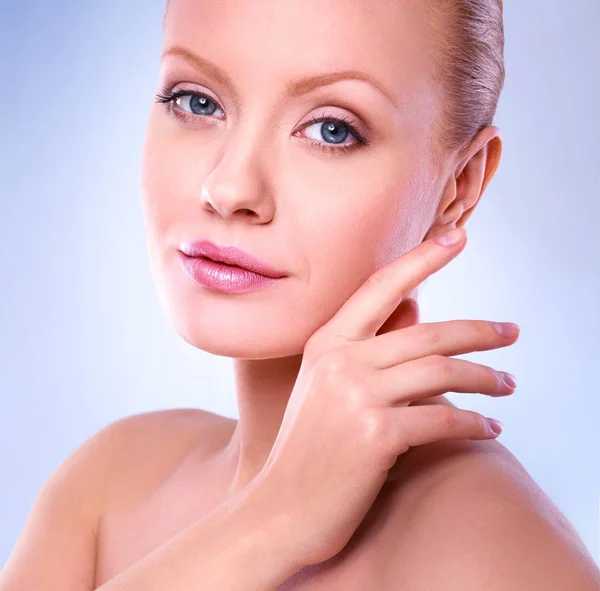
(263, 388)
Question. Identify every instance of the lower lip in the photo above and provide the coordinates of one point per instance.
(222, 277)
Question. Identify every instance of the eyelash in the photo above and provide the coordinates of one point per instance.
(167, 97)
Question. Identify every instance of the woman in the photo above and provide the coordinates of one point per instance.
(347, 469)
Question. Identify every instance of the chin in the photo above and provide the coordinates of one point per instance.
(267, 324)
(234, 336)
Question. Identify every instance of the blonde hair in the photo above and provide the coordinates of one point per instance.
(467, 59)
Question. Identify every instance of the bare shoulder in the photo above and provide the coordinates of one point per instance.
(64, 518)
(143, 450)
(467, 515)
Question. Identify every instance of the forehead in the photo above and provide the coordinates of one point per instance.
(270, 41)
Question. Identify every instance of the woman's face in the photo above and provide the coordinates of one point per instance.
(247, 167)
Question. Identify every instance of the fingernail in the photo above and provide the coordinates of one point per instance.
(508, 378)
(506, 329)
(451, 237)
(495, 425)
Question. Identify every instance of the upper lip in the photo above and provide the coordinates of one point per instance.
(229, 255)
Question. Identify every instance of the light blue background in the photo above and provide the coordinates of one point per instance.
(84, 340)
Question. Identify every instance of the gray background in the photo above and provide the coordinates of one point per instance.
(84, 341)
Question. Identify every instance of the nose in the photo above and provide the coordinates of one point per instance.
(237, 187)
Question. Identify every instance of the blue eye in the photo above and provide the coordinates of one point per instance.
(200, 105)
(333, 129)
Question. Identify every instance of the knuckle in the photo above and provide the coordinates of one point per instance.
(334, 362)
(480, 422)
(428, 333)
(356, 393)
(378, 279)
(336, 368)
(441, 366)
(447, 418)
(488, 375)
(372, 427)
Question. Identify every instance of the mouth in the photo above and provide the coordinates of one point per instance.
(224, 264)
(224, 277)
(229, 256)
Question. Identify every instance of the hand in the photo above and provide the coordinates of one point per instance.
(348, 417)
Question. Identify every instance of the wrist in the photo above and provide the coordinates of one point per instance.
(265, 535)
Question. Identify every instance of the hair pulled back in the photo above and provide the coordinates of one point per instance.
(467, 60)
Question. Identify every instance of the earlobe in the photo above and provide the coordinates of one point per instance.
(449, 211)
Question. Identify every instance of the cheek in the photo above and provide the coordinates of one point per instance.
(351, 232)
(152, 177)
(354, 235)
(164, 174)
(345, 241)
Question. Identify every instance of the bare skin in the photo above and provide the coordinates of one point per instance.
(142, 480)
(250, 177)
(191, 478)
(167, 497)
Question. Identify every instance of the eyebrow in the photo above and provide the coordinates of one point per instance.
(296, 87)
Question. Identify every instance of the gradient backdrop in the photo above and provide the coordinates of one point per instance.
(84, 342)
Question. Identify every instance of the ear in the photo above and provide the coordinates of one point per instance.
(476, 167)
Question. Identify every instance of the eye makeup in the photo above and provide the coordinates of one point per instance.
(172, 101)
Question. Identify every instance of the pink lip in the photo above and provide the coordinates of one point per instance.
(229, 255)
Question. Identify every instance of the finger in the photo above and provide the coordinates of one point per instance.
(365, 311)
(418, 425)
(405, 315)
(433, 376)
(452, 337)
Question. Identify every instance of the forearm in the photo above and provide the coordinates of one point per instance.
(237, 546)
